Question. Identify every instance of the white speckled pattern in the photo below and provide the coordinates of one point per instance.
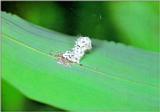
(82, 45)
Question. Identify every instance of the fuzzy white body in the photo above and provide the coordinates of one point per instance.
(82, 45)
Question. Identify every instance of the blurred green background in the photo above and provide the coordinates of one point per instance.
(132, 23)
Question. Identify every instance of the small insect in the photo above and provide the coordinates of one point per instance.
(82, 45)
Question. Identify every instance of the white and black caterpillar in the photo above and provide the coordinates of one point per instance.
(82, 45)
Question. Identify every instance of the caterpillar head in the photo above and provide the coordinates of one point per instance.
(84, 43)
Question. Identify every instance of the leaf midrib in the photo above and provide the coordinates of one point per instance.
(88, 67)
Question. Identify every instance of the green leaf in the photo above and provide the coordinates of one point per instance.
(112, 76)
(21, 103)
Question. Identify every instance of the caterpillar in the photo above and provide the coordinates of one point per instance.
(82, 45)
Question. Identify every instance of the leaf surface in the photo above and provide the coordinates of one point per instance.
(113, 76)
